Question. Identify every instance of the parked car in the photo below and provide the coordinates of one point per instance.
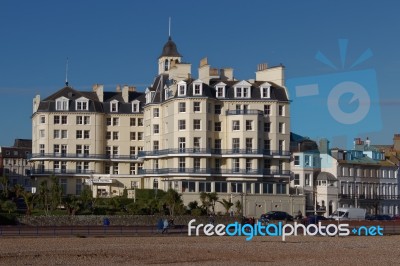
(276, 215)
(314, 219)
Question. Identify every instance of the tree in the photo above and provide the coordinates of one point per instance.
(238, 206)
(208, 200)
(28, 197)
(4, 183)
(9, 206)
(172, 199)
(44, 195)
(227, 204)
(55, 193)
(72, 203)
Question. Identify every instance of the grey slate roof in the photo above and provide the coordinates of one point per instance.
(170, 49)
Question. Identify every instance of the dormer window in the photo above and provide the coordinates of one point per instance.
(114, 106)
(181, 88)
(197, 87)
(82, 104)
(220, 90)
(265, 90)
(62, 104)
(242, 90)
(135, 106)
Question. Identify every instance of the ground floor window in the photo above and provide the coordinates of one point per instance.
(188, 186)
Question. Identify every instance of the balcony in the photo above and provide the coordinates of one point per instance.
(244, 112)
(214, 171)
(200, 151)
(80, 156)
(61, 172)
(363, 197)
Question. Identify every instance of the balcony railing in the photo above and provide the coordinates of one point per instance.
(214, 171)
(369, 197)
(244, 112)
(60, 171)
(81, 156)
(214, 152)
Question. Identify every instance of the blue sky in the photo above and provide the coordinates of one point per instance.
(119, 42)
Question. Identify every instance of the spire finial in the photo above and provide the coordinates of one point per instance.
(66, 73)
(169, 28)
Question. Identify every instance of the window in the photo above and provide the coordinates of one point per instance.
(196, 163)
(56, 148)
(280, 188)
(108, 135)
(156, 129)
(78, 186)
(220, 92)
(296, 160)
(267, 188)
(42, 134)
(133, 135)
(155, 164)
(82, 105)
(265, 92)
(115, 169)
(56, 166)
(182, 164)
(133, 121)
(64, 119)
(86, 120)
(281, 110)
(114, 107)
(115, 135)
(267, 145)
(235, 125)
(217, 109)
(64, 134)
(115, 150)
(296, 180)
(238, 92)
(248, 165)
(267, 127)
(182, 107)
(218, 145)
(307, 160)
(135, 107)
(41, 149)
(249, 144)
(56, 133)
(156, 145)
(196, 107)
(108, 121)
(236, 187)
(217, 126)
(196, 144)
(197, 89)
(242, 92)
(204, 186)
(235, 145)
(132, 150)
(62, 104)
(221, 187)
(64, 149)
(79, 134)
(181, 124)
(132, 171)
(236, 165)
(188, 186)
(267, 109)
(56, 119)
(307, 179)
(182, 144)
(196, 124)
(115, 121)
(281, 145)
(79, 120)
(140, 122)
(156, 112)
(86, 134)
(181, 88)
(140, 135)
(281, 128)
(249, 124)
(42, 119)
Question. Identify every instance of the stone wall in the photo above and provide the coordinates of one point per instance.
(120, 220)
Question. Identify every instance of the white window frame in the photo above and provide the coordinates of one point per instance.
(62, 104)
(235, 125)
(135, 106)
(182, 87)
(197, 85)
(82, 104)
(114, 106)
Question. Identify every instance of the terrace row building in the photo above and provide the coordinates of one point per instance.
(212, 133)
(362, 177)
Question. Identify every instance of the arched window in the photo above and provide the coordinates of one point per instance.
(166, 65)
